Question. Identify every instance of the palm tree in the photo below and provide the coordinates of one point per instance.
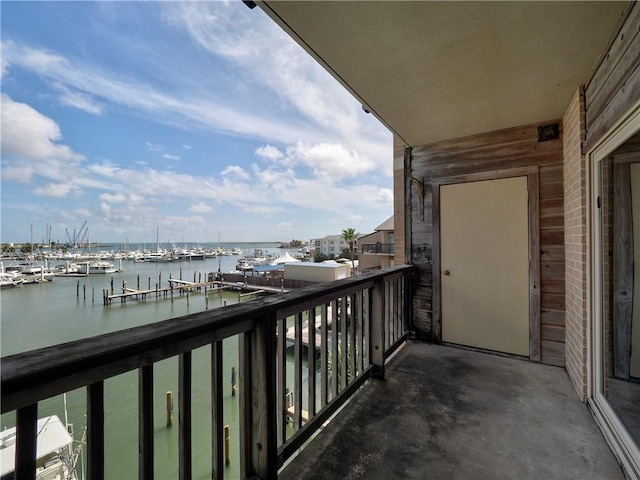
(350, 235)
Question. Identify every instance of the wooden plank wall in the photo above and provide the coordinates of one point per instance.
(615, 85)
(495, 151)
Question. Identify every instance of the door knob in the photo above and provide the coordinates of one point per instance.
(445, 272)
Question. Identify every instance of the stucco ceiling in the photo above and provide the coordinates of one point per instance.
(433, 71)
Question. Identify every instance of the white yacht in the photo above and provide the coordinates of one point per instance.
(55, 456)
(99, 267)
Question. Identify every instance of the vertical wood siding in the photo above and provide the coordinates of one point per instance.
(492, 152)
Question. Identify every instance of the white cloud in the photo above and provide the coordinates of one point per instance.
(170, 157)
(79, 100)
(187, 147)
(269, 152)
(55, 190)
(330, 160)
(236, 171)
(154, 147)
(260, 209)
(106, 169)
(4, 66)
(200, 207)
(113, 198)
(17, 173)
(29, 135)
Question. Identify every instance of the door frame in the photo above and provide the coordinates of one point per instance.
(624, 447)
(533, 195)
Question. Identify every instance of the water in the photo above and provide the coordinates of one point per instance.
(41, 315)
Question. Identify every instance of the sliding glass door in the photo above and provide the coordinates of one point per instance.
(615, 299)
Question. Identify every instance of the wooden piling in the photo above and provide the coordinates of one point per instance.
(227, 453)
(169, 408)
(111, 285)
(93, 293)
(138, 283)
(84, 291)
(233, 381)
(78, 289)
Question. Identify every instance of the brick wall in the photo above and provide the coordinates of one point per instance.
(575, 234)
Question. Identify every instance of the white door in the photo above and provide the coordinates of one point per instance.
(484, 248)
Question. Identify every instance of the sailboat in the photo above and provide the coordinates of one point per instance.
(160, 255)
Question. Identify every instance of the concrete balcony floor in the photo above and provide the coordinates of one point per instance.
(444, 412)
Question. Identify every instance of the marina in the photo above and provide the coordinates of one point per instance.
(70, 308)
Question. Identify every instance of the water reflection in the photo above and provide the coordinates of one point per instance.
(620, 216)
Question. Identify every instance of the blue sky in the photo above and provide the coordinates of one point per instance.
(194, 118)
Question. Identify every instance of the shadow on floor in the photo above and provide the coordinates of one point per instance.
(444, 412)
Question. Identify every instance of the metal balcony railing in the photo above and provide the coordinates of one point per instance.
(377, 248)
(361, 321)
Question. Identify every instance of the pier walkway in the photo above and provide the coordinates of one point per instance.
(181, 286)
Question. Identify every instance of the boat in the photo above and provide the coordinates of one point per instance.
(35, 273)
(8, 280)
(99, 267)
(243, 266)
(55, 455)
(68, 270)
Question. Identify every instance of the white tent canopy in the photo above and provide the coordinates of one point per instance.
(286, 258)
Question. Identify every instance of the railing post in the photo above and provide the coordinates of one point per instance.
(258, 423)
(26, 428)
(377, 299)
(95, 431)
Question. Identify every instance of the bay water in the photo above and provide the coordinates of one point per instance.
(71, 308)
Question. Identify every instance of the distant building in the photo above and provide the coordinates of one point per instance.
(377, 249)
(332, 245)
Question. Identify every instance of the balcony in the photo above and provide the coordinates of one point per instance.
(399, 409)
(352, 325)
(377, 248)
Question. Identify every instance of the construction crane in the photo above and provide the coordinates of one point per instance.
(77, 237)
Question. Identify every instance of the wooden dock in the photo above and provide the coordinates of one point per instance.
(291, 334)
(182, 286)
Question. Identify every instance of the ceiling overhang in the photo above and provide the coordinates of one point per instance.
(433, 71)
